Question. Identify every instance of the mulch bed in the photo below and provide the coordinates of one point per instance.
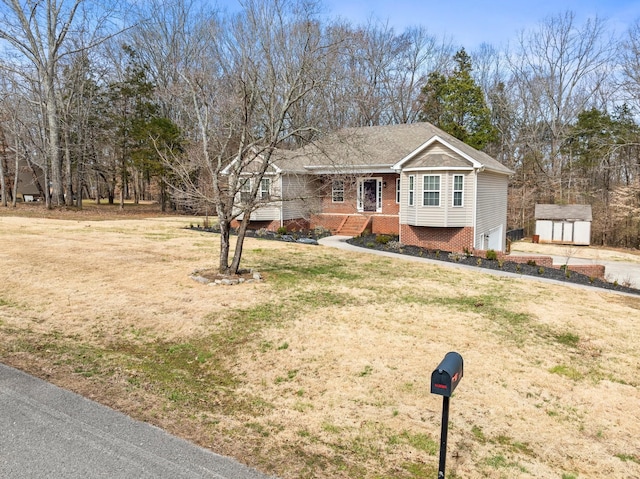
(380, 243)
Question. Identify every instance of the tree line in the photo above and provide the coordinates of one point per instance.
(155, 99)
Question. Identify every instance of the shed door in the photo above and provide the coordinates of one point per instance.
(557, 231)
(567, 232)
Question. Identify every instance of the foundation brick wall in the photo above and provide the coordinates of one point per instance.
(387, 225)
(456, 240)
(545, 261)
(330, 222)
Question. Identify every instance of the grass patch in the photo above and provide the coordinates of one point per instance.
(286, 272)
(478, 435)
(567, 371)
(322, 299)
(421, 442)
(494, 307)
(628, 458)
(500, 462)
(568, 339)
(422, 471)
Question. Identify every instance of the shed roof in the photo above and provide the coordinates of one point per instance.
(563, 212)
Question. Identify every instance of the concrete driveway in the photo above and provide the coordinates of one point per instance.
(47, 432)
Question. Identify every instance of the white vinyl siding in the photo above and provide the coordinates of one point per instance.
(297, 200)
(446, 215)
(431, 190)
(491, 210)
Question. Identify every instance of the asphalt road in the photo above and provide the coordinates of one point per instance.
(47, 432)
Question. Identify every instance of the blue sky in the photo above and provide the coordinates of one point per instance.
(472, 22)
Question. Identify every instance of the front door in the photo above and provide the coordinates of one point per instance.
(369, 195)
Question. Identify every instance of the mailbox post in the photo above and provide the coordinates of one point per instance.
(444, 380)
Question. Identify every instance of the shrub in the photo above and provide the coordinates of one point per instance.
(394, 245)
(491, 255)
(531, 262)
(541, 270)
(282, 230)
(383, 239)
(479, 261)
(321, 231)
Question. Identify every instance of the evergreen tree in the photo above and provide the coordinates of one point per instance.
(456, 104)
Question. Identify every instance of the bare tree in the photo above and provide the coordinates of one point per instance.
(558, 69)
(37, 35)
(244, 83)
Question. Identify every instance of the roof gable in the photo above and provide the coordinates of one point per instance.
(436, 153)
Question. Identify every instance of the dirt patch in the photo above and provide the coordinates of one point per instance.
(213, 276)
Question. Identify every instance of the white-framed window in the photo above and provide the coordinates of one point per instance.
(431, 190)
(265, 189)
(458, 188)
(337, 191)
(411, 190)
(397, 190)
(245, 190)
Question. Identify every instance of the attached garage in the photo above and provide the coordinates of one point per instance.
(563, 224)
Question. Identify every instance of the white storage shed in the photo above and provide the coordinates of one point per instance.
(563, 224)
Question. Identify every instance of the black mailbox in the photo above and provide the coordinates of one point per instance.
(447, 375)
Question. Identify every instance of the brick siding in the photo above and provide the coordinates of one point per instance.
(385, 224)
(591, 270)
(457, 240)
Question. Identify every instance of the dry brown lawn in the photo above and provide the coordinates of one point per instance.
(322, 370)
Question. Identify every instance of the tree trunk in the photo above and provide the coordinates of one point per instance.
(3, 161)
(67, 167)
(57, 189)
(224, 244)
(237, 254)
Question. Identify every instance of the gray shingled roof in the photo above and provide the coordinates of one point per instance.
(374, 148)
(563, 212)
